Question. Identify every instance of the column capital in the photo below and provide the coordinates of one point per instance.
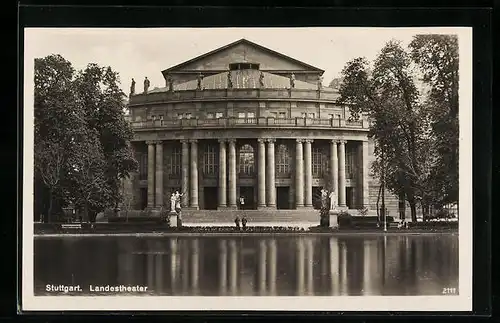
(342, 141)
(222, 141)
(184, 141)
(334, 141)
(271, 140)
(158, 142)
(308, 140)
(261, 140)
(193, 140)
(300, 140)
(150, 142)
(231, 141)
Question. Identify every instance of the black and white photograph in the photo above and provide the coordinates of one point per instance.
(318, 168)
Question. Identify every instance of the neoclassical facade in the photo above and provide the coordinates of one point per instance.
(247, 121)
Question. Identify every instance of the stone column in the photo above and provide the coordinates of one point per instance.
(299, 174)
(185, 173)
(271, 185)
(194, 173)
(261, 173)
(222, 267)
(334, 168)
(151, 173)
(159, 174)
(363, 175)
(222, 174)
(262, 267)
(342, 173)
(308, 172)
(232, 173)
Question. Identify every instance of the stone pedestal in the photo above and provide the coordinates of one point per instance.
(175, 220)
(334, 218)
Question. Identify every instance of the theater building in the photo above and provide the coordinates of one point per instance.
(246, 121)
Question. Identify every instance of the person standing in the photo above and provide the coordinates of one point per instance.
(242, 202)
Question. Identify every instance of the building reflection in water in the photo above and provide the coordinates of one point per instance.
(300, 265)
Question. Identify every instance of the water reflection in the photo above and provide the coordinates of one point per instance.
(244, 266)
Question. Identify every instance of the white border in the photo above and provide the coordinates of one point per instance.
(462, 302)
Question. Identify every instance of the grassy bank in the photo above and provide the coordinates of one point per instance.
(156, 228)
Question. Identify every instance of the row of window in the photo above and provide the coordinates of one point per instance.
(217, 115)
(246, 165)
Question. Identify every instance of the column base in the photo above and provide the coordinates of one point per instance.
(191, 208)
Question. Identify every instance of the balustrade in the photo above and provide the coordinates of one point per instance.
(250, 122)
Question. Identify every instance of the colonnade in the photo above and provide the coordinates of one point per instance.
(266, 178)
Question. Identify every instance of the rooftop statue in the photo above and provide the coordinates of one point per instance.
(230, 80)
(320, 82)
(261, 79)
(200, 80)
(292, 81)
(146, 85)
(132, 87)
(170, 82)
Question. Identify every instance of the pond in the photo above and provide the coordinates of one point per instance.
(291, 265)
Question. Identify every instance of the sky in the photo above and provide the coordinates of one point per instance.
(139, 52)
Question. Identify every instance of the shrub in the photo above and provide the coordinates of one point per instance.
(344, 219)
(363, 211)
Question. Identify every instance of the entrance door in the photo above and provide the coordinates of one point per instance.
(283, 197)
(247, 193)
(144, 198)
(349, 197)
(211, 197)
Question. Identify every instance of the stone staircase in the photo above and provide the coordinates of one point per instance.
(253, 216)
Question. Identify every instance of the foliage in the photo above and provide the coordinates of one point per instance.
(437, 55)
(81, 136)
(363, 211)
(403, 122)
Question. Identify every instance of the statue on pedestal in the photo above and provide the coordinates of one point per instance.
(292, 81)
(170, 83)
(200, 80)
(132, 87)
(146, 85)
(261, 79)
(173, 201)
(333, 202)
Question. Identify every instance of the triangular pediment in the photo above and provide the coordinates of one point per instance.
(242, 51)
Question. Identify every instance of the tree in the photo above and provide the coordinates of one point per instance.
(89, 190)
(389, 97)
(49, 163)
(56, 120)
(438, 59)
(103, 101)
(82, 139)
